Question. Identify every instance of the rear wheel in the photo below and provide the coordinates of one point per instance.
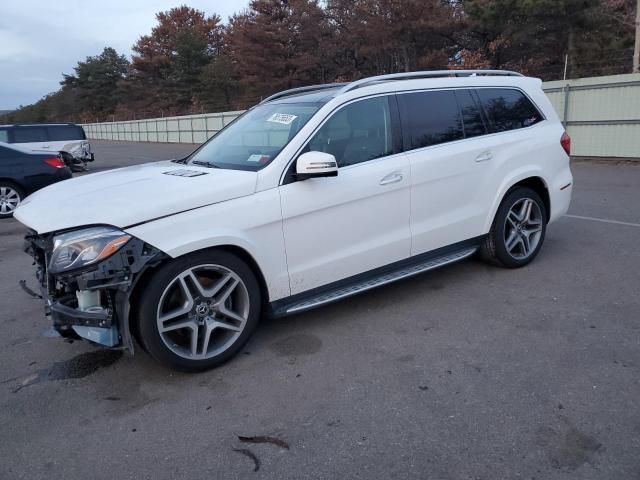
(10, 197)
(518, 230)
(198, 311)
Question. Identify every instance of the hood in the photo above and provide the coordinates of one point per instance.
(131, 195)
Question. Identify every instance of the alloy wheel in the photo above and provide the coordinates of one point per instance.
(202, 311)
(9, 200)
(523, 228)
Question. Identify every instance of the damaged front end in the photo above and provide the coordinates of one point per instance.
(86, 278)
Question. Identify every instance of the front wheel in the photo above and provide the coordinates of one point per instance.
(518, 229)
(199, 310)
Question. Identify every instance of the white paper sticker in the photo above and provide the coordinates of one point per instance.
(257, 157)
(283, 118)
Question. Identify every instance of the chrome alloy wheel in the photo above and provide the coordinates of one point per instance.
(523, 228)
(9, 200)
(203, 311)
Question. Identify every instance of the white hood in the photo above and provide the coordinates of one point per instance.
(131, 195)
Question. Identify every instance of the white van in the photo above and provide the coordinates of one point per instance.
(314, 195)
(66, 138)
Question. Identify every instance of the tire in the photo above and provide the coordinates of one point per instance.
(212, 296)
(10, 197)
(518, 230)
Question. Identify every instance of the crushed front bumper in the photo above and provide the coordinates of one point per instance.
(114, 279)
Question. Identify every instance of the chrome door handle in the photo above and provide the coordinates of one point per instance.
(484, 157)
(394, 177)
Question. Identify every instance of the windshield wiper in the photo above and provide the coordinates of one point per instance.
(206, 164)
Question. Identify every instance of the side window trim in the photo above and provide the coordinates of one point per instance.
(396, 125)
(460, 113)
(396, 134)
(483, 114)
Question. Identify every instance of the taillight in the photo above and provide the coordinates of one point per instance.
(565, 141)
(55, 162)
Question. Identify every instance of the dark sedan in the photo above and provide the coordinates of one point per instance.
(23, 172)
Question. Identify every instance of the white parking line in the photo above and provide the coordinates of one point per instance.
(604, 220)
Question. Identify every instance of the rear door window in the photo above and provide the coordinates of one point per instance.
(471, 115)
(58, 133)
(4, 135)
(508, 109)
(429, 118)
(29, 135)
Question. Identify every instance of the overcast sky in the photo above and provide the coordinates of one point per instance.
(42, 39)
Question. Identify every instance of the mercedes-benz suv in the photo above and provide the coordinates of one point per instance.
(315, 194)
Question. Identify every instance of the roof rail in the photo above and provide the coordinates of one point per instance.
(426, 74)
(296, 91)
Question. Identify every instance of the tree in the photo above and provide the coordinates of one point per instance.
(167, 65)
(279, 44)
(383, 36)
(534, 36)
(97, 82)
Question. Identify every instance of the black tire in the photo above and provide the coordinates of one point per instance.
(4, 184)
(494, 247)
(149, 309)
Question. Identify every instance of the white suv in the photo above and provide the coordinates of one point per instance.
(314, 195)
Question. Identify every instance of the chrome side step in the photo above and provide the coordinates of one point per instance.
(384, 279)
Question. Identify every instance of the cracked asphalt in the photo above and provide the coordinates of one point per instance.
(467, 372)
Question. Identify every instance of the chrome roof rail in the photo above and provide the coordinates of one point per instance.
(299, 90)
(426, 74)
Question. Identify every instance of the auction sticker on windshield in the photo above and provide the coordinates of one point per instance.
(259, 158)
(283, 118)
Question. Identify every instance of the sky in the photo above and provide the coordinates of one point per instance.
(42, 39)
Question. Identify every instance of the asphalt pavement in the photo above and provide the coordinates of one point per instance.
(467, 372)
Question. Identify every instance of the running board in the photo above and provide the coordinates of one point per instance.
(384, 279)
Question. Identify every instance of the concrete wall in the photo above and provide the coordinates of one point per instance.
(187, 129)
(602, 115)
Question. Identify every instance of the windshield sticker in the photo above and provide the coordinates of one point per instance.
(185, 173)
(283, 118)
(259, 158)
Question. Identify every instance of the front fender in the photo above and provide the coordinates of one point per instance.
(252, 223)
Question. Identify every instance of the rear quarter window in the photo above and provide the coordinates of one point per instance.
(508, 109)
(4, 135)
(430, 118)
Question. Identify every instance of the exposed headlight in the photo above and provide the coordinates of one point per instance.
(81, 248)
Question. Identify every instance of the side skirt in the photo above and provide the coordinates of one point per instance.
(375, 278)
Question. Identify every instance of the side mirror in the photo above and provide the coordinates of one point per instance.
(316, 164)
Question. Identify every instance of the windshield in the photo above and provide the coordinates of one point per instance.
(256, 138)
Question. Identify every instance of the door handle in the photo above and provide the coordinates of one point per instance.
(394, 177)
(484, 157)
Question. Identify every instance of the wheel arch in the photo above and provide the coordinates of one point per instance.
(538, 185)
(148, 273)
(15, 182)
(533, 180)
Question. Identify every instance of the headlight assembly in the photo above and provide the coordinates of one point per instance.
(81, 248)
